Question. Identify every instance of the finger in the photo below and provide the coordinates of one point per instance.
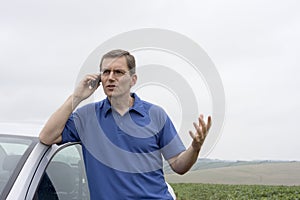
(198, 131)
(200, 117)
(192, 135)
(208, 123)
(85, 81)
(195, 138)
(96, 76)
(202, 124)
(94, 84)
(92, 77)
(92, 80)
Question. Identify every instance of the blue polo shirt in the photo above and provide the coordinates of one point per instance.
(123, 154)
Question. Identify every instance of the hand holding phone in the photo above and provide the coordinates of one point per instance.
(94, 83)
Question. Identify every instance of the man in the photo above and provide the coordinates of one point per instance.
(123, 137)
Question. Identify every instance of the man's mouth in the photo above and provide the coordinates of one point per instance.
(111, 86)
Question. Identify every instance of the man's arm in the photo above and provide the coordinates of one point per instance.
(185, 160)
(51, 132)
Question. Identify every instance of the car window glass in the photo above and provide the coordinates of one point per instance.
(64, 177)
(11, 151)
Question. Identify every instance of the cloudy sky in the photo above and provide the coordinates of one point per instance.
(253, 44)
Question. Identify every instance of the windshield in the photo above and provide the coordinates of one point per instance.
(13, 152)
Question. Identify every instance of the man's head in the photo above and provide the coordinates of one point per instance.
(117, 73)
(117, 53)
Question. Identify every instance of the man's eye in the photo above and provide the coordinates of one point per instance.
(106, 72)
(119, 72)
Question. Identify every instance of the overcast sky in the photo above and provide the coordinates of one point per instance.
(253, 45)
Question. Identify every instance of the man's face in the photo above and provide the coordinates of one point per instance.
(115, 77)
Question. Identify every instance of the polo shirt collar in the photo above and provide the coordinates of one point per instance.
(137, 106)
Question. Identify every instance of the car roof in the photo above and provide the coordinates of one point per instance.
(20, 129)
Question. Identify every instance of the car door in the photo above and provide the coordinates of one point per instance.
(63, 176)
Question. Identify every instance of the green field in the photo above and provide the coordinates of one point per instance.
(255, 174)
(198, 191)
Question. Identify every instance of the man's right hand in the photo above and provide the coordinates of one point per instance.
(51, 133)
(83, 90)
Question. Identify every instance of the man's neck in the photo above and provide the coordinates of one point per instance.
(121, 104)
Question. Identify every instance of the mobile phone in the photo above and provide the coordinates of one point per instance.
(95, 83)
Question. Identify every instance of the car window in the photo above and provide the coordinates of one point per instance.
(64, 177)
(12, 150)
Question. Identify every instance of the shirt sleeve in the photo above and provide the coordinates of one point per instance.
(169, 141)
(70, 132)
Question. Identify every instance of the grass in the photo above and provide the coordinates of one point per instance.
(199, 191)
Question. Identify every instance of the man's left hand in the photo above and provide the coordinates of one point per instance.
(202, 129)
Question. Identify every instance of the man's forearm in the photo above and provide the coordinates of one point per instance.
(51, 133)
(184, 161)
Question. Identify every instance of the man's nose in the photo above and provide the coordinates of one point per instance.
(111, 75)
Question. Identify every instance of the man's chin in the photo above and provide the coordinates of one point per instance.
(112, 94)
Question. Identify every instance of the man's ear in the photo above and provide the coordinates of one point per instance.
(133, 80)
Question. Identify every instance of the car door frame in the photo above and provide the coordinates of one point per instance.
(33, 169)
(45, 160)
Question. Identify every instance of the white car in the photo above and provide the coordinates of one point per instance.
(31, 170)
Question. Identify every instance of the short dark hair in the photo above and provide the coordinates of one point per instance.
(119, 53)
